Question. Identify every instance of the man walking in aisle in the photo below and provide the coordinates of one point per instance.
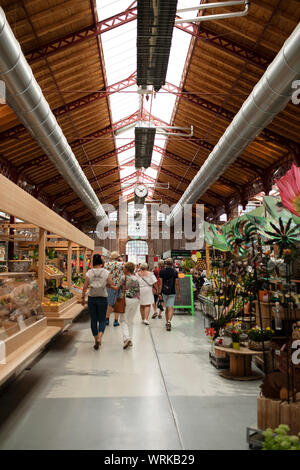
(156, 305)
(169, 286)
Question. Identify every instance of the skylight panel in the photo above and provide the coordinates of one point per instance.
(119, 48)
(124, 104)
(120, 61)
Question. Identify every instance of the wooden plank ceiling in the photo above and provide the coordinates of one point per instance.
(64, 77)
(216, 81)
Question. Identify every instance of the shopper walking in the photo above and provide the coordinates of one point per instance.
(130, 287)
(169, 286)
(147, 282)
(158, 303)
(97, 280)
(115, 267)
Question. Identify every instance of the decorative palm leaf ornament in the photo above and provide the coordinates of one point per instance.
(240, 237)
(215, 236)
(284, 235)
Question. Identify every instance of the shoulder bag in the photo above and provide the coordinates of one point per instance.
(120, 304)
(154, 289)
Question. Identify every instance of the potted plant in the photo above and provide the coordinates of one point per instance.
(258, 335)
(235, 336)
(278, 439)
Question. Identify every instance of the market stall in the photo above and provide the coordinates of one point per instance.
(34, 302)
(254, 286)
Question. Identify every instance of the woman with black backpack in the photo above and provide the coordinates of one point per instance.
(97, 279)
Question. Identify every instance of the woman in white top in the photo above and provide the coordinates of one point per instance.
(147, 281)
(97, 279)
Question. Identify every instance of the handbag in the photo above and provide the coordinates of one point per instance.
(120, 304)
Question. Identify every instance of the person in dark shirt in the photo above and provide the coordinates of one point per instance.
(168, 289)
(158, 303)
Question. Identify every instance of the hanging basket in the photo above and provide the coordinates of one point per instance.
(257, 345)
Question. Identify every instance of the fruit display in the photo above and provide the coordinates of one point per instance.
(56, 297)
(51, 271)
(19, 301)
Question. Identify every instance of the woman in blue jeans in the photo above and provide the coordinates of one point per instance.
(97, 279)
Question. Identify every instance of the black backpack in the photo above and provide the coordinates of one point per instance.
(168, 285)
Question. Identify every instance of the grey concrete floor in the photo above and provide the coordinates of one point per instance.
(161, 394)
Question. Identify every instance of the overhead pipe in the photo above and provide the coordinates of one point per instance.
(220, 16)
(25, 97)
(269, 96)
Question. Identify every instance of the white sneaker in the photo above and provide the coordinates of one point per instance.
(146, 322)
(126, 343)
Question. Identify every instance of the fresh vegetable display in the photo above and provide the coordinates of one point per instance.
(57, 296)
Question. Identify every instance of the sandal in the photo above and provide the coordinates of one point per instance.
(154, 315)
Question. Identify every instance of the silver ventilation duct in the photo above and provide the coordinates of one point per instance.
(269, 96)
(25, 97)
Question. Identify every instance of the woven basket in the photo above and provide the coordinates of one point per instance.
(257, 345)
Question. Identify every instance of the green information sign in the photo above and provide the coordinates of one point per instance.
(186, 293)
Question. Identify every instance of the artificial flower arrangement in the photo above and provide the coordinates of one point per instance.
(235, 336)
(210, 333)
(260, 334)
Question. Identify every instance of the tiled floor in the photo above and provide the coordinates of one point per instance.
(161, 394)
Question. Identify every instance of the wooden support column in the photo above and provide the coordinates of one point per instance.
(84, 261)
(77, 260)
(69, 265)
(207, 259)
(42, 258)
(11, 245)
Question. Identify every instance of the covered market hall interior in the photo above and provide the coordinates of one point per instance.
(149, 225)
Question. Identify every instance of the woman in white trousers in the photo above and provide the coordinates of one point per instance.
(132, 300)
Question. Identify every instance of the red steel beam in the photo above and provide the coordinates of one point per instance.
(79, 103)
(204, 34)
(57, 178)
(96, 135)
(104, 188)
(226, 45)
(84, 34)
(267, 134)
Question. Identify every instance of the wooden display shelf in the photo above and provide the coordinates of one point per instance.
(23, 347)
(55, 310)
(267, 313)
(8, 274)
(49, 275)
(64, 320)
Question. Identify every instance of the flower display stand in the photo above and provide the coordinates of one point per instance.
(240, 364)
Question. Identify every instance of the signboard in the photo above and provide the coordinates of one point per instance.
(186, 293)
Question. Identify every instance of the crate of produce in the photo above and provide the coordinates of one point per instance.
(55, 307)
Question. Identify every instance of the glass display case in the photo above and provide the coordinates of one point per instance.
(20, 305)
